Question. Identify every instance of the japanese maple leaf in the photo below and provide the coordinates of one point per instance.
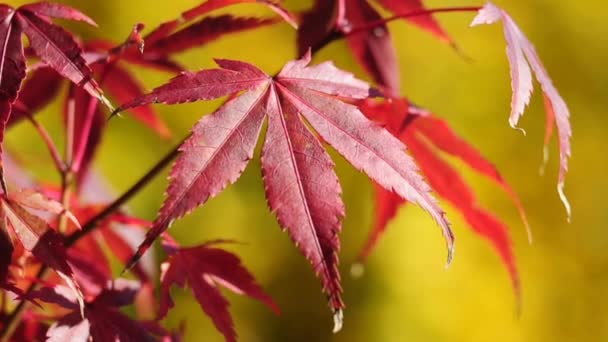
(102, 320)
(372, 47)
(204, 268)
(522, 56)
(301, 186)
(55, 46)
(424, 135)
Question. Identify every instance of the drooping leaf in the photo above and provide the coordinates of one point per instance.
(221, 145)
(204, 269)
(522, 57)
(425, 135)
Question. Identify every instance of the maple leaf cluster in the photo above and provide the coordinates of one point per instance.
(57, 245)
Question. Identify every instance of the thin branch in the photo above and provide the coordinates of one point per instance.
(339, 33)
(126, 196)
(376, 23)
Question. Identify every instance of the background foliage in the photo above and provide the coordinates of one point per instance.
(405, 293)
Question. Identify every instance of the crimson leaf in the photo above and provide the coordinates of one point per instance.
(301, 186)
(204, 268)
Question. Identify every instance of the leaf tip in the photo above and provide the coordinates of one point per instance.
(338, 320)
(513, 124)
(564, 199)
(451, 248)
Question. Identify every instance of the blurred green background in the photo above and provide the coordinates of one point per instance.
(406, 294)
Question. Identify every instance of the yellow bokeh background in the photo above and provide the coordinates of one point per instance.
(405, 294)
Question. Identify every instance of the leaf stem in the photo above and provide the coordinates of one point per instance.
(59, 163)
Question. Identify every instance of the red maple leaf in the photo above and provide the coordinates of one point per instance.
(204, 268)
(301, 185)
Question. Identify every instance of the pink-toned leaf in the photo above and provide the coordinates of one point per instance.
(59, 50)
(296, 170)
(56, 10)
(324, 78)
(222, 143)
(549, 124)
(522, 56)
(124, 87)
(204, 268)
